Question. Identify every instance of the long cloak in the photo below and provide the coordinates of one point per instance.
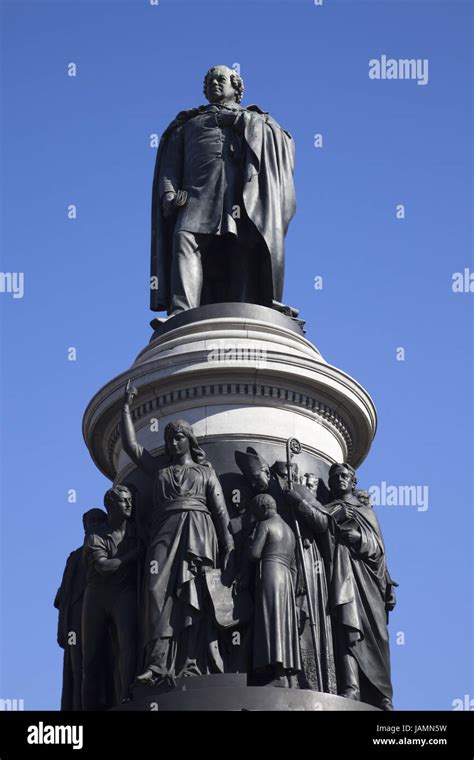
(268, 197)
(313, 526)
(359, 591)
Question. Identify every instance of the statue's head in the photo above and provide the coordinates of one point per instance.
(263, 506)
(260, 479)
(223, 85)
(118, 502)
(93, 519)
(311, 481)
(254, 468)
(180, 440)
(280, 469)
(342, 479)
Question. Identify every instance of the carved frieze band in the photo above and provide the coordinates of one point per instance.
(248, 390)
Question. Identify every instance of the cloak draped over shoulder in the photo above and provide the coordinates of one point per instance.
(359, 585)
(268, 198)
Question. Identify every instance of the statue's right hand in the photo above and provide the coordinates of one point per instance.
(294, 499)
(130, 392)
(168, 204)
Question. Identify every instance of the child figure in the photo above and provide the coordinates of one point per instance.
(276, 652)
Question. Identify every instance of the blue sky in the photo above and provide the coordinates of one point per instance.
(386, 281)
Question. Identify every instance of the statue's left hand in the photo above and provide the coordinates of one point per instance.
(130, 393)
(343, 513)
(168, 204)
(351, 536)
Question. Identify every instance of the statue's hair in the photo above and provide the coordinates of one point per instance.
(235, 79)
(98, 514)
(117, 490)
(181, 426)
(263, 500)
(346, 467)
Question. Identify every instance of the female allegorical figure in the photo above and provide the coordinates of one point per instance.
(189, 532)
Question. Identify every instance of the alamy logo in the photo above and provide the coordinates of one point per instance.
(466, 703)
(42, 734)
(235, 351)
(399, 68)
(385, 495)
(12, 704)
(12, 282)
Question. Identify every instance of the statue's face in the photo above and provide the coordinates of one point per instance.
(178, 443)
(259, 512)
(122, 503)
(219, 86)
(264, 510)
(261, 480)
(312, 483)
(268, 510)
(341, 481)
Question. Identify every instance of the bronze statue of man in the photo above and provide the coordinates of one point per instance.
(361, 592)
(68, 602)
(223, 197)
(111, 554)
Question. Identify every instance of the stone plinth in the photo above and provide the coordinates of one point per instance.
(242, 375)
(230, 693)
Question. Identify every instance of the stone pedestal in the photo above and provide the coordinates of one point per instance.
(230, 693)
(241, 375)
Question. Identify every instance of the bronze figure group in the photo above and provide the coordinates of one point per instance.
(313, 569)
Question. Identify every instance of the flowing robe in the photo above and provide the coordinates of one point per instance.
(68, 602)
(190, 523)
(360, 587)
(314, 526)
(275, 624)
(184, 542)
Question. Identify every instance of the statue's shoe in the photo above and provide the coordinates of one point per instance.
(150, 678)
(147, 678)
(281, 682)
(190, 669)
(293, 682)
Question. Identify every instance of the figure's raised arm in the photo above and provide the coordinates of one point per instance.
(138, 454)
